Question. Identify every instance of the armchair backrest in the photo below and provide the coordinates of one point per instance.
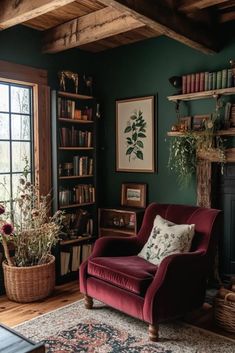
(207, 223)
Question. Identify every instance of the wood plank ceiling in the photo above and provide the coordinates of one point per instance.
(100, 25)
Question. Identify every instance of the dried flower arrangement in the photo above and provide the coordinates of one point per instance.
(28, 226)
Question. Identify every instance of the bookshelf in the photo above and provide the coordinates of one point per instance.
(74, 159)
(202, 95)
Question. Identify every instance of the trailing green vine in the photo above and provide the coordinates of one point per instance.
(182, 158)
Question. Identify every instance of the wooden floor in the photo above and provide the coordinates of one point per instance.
(12, 313)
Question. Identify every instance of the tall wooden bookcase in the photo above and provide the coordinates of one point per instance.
(74, 175)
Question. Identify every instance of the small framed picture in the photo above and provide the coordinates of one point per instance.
(134, 195)
(185, 123)
(199, 122)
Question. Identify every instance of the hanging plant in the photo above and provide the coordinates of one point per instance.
(182, 158)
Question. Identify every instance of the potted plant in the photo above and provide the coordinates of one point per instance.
(30, 274)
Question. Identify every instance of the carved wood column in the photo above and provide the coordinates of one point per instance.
(204, 183)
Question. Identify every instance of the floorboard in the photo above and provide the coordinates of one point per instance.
(12, 313)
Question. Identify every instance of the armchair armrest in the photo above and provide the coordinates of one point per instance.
(178, 286)
(116, 246)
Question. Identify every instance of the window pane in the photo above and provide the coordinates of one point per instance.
(4, 187)
(15, 184)
(20, 127)
(20, 100)
(4, 98)
(4, 126)
(5, 157)
(20, 151)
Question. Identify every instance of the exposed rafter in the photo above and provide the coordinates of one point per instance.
(87, 29)
(192, 5)
(14, 12)
(168, 22)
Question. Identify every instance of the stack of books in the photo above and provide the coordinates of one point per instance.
(82, 165)
(207, 81)
(71, 137)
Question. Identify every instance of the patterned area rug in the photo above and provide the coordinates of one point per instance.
(73, 329)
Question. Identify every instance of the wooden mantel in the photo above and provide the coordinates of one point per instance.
(204, 174)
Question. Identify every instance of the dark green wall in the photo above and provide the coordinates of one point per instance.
(136, 70)
(143, 69)
(22, 45)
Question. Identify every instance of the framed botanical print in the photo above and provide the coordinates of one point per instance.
(135, 135)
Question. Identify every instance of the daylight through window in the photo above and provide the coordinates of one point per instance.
(15, 136)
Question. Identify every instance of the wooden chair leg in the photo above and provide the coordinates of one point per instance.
(153, 333)
(88, 302)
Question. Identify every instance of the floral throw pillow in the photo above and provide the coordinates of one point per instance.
(167, 238)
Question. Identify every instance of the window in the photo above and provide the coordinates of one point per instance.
(16, 136)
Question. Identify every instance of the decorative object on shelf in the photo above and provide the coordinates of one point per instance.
(30, 274)
(98, 114)
(176, 82)
(200, 122)
(134, 195)
(185, 123)
(120, 221)
(135, 135)
(89, 83)
(63, 75)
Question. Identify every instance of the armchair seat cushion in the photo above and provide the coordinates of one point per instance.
(131, 273)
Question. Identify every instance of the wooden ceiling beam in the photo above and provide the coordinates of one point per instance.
(168, 22)
(192, 5)
(90, 28)
(14, 12)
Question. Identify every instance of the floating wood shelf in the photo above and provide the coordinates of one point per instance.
(75, 177)
(202, 95)
(74, 95)
(213, 155)
(75, 148)
(75, 121)
(76, 205)
(228, 132)
(77, 240)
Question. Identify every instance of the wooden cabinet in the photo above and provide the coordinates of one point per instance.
(120, 221)
(74, 146)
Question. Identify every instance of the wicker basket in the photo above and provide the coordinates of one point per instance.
(28, 284)
(224, 313)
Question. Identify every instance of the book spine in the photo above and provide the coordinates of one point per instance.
(184, 83)
(229, 78)
(224, 78)
(202, 81)
(210, 84)
(197, 79)
(214, 76)
(188, 84)
(218, 79)
(206, 87)
(192, 83)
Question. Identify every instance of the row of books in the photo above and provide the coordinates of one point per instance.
(71, 137)
(71, 260)
(207, 81)
(67, 110)
(83, 165)
(82, 193)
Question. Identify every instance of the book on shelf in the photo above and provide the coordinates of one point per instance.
(76, 258)
(64, 262)
(232, 115)
(81, 193)
(207, 81)
(72, 137)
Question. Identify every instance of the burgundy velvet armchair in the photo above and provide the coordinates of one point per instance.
(115, 275)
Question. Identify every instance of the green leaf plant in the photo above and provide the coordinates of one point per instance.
(184, 150)
(136, 130)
